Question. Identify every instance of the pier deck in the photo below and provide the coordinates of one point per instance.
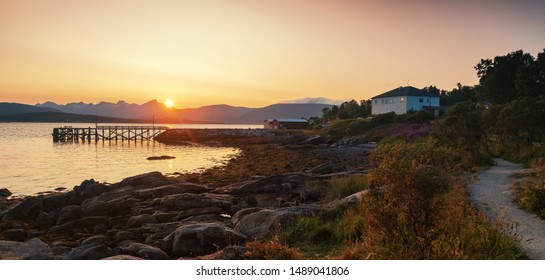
(106, 133)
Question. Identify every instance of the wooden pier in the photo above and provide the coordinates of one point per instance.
(106, 133)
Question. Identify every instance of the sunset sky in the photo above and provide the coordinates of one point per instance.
(251, 52)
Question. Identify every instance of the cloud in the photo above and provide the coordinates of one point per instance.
(314, 100)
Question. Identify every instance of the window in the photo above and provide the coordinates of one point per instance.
(402, 99)
(376, 101)
(421, 100)
(428, 100)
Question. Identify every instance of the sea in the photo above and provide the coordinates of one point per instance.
(31, 163)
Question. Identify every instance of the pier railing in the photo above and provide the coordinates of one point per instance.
(106, 133)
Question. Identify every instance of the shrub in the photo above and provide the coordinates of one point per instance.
(385, 118)
(358, 127)
(270, 250)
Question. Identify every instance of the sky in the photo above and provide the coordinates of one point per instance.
(251, 52)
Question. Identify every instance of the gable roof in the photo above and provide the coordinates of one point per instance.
(288, 120)
(405, 91)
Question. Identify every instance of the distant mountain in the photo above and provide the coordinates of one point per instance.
(121, 109)
(63, 117)
(292, 111)
(16, 108)
(207, 114)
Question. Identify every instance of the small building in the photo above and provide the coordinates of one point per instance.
(402, 100)
(285, 124)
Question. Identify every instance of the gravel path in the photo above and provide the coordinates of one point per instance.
(491, 193)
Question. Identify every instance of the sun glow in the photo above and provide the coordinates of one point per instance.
(169, 103)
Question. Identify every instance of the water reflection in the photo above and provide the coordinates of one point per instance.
(31, 162)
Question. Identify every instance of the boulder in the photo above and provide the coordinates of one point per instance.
(136, 221)
(145, 251)
(188, 213)
(201, 239)
(69, 213)
(261, 224)
(147, 179)
(243, 213)
(315, 140)
(95, 239)
(29, 208)
(90, 252)
(125, 235)
(45, 220)
(4, 193)
(88, 189)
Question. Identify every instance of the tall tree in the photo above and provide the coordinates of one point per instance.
(497, 77)
(531, 80)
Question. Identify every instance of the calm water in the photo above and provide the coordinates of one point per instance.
(30, 162)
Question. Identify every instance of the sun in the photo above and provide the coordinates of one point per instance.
(169, 103)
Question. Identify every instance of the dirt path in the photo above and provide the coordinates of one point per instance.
(491, 193)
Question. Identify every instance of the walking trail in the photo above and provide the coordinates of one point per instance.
(492, 194)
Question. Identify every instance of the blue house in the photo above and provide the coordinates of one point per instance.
(404, 99)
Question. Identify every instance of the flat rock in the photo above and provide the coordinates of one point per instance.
(172, 189)
(33, 249)
(106, 206)
(95, 239)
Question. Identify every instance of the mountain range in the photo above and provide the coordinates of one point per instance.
(153, 110)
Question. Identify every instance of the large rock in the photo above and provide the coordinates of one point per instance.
(45, 220)
(145, 251)
(201, 239)
(259, 225)
(95, 239)
(136, 221)
(90, 252)
(33, 249)
(172, 189)
(69, 213)
(88, 189)
(243, 213)
(149, 179)
(29, 208)
(5, 192)
(107, 206)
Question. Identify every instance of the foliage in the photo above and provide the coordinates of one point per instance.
(270, 250)
(348, 110)
(530, 193)
(415, 117)
(342, 186)
(414, 131)
(498, 77)
(359, 126)
(385, 118)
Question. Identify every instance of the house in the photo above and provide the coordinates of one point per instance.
(285, 124)
(402, 100)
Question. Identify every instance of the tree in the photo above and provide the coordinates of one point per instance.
(530, 80)
(497, 77)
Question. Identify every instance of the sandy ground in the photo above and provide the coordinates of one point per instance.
(492, 194)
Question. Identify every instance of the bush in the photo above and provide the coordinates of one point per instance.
(270, 250)
(385, 118)
(358, 127)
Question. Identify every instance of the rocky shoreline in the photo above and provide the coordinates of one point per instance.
(207, 215)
